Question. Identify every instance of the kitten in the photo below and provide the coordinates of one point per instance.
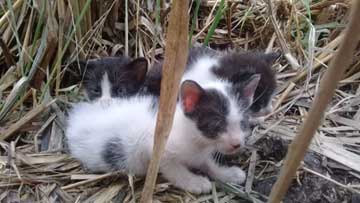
(208, 118)
(205, 64)
(111, 77)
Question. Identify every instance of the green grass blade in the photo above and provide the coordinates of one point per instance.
(193, 21)
(307, 6)
(67, 43)
(13, 25)
(38, 30)
(218, 16)
(21, 85)
(157, 18)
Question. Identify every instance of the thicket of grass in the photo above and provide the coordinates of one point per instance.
(39, 39)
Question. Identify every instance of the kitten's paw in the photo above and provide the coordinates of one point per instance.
(196, 185)
(233, 175)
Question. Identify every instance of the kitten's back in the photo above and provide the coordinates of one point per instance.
(96, 125)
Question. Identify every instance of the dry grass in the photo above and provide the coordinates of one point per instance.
(39, 40)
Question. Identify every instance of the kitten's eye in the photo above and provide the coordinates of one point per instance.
(96, 91)
(121, 91)
(256, 106)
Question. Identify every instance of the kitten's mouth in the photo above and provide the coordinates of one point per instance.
(231, 151)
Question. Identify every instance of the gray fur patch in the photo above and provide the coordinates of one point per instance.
(114, 154)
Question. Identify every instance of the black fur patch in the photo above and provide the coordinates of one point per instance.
(152, 82)
(197, 52)
(239, 67)
(122, 77)
(114, 154)
(153, 79)
(210, 114)
(154, 105)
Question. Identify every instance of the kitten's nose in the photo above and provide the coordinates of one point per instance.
(235, 146)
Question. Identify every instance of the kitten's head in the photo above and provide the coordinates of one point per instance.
(219, 111)
(238, 67)
(111, 77)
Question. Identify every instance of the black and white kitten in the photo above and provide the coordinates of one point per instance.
(111, 77)
(205, 64)
(208, 118)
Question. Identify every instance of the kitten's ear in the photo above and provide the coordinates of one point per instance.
(190, 93)
(249, 88)
(139, 67)
(83, 65)
(270, 58)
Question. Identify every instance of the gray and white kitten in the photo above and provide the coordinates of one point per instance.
(208, 118)
(205, 64)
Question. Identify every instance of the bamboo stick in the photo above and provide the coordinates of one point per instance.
(338, 65)
(174, 65)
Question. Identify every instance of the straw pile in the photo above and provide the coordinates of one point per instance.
(40, 38)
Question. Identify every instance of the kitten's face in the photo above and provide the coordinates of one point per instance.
(113, 77)
(217, 114)
(238, 67)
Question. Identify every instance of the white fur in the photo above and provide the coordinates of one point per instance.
(105, 88)
(200, 70)
(91, 125)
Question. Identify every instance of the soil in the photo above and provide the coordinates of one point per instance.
(307, 187)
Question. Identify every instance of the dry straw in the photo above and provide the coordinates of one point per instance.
(40, 38)
(328, 84)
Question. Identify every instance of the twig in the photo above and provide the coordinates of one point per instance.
(28, 117)
(97, 178)
(290, 58)
(214, 193)
(174, 66)
(251, 172)
(127, 29)
(327, 88)
(284, 95)
(9, 59)
(253, 196)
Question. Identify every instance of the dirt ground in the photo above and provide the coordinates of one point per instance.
(307, 187)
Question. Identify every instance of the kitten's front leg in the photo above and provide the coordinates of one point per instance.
(225, 174)
(181, 177)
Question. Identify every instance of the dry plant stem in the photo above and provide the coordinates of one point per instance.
(27, 118)
(251, 172)
(126, 29)
(97, 178)
(292, 61)
(4, 18)
(327, 88)
(284, 95)
(9, 60)
(174, 65)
